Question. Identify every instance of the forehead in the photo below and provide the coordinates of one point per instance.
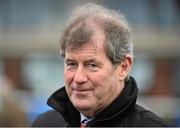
(88, 49)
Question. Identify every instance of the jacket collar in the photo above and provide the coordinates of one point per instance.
(60, 102)
(122, 104)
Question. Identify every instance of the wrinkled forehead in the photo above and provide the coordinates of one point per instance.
(88, 51)
(91, 46)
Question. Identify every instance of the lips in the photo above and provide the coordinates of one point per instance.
(80, 88)
(81, 92)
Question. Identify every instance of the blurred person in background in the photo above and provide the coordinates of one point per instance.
(98, 54)
(11, 115)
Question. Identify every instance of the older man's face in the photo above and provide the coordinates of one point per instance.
(91, 81)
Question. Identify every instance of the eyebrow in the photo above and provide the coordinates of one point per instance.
(86, 61)
(94, 60)
(68, 59)
(91, 60)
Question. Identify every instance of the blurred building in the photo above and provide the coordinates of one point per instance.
(29, 50)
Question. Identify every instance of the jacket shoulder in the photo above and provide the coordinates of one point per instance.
(146, 118)
(50, 118)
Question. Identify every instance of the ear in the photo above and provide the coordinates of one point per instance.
(125, 67)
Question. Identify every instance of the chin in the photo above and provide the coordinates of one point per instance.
(82, 106)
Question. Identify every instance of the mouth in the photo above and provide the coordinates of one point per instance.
(82, 92)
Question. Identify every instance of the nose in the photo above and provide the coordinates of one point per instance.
(80, 75)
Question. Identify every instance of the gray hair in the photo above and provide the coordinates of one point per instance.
(118, 41)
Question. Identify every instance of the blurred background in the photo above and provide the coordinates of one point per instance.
(31, 68)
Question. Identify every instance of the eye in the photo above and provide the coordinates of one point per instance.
(92, 66)
(71, 65)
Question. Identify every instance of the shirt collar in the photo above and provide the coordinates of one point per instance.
(83, 117)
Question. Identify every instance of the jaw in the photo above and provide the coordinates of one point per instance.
(85, 104)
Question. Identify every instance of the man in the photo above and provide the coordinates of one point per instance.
(98, 56)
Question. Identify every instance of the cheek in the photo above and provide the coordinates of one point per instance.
(100, 81)
(105, 81)
(68, 77)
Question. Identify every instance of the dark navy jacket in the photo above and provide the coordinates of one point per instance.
(122, 112)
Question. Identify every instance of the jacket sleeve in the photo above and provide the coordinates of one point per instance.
(49, 119)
